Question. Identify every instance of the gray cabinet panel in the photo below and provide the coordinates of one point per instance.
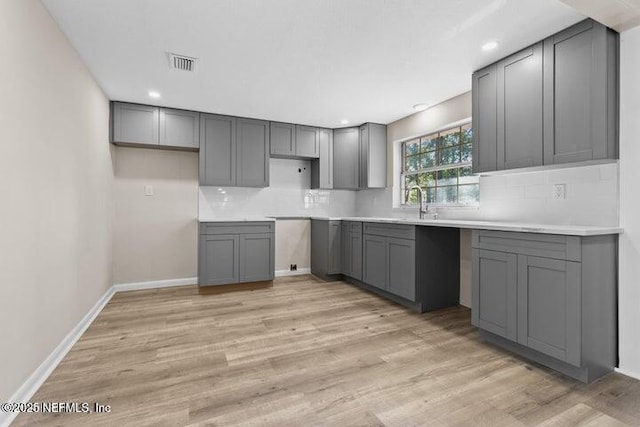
(217, 150)
(322, 168)
(283, 139)
(580, 94)
(134, 123)
(549, 302)
(346, 159)
(219, 259)
(494, 292)
(256, 256)
(334, 248)
(401, 268)
(373, 156)
(306, 142)
(364, 156)
(253, 153)
(179, 128)
(355, 255)
(519, 104)
(484, 106)
(375, 261)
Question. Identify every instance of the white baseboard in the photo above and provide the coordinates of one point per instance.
(39, 376)
(300, 271)
(628, 373)
(155, 284)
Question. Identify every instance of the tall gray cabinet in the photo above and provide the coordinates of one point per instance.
(551, 298)
(553, 102)
(234, 151)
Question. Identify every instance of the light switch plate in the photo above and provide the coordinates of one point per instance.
(148, 190)
(559, 191)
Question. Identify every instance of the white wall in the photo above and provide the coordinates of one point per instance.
(56, 191)
(629, 274)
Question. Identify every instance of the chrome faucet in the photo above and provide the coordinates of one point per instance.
(422, 209)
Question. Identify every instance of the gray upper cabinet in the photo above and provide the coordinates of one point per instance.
(373, 156)
(179, 128)
(134, 123)
(322, 168)
(346, 159)
(484, 99)
(307, 142)
(519, 109)
(253, 153)
(554, 102)
(218, 150)
(580, 93)
(494, 292)
(283, 139)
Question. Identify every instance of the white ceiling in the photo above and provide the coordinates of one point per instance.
(302, 61)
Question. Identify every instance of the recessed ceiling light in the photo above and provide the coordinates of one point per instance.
(489, 46)
(344, 122)
(420, 107)
(154, 94)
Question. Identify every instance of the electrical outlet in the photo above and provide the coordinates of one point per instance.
(559, 191)
(293, 267)
(148, 190)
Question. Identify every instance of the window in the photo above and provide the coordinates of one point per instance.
(440, 163)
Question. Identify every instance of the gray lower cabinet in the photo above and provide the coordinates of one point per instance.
(401, 274)
(322, 167)
(179, 128)
(235, 252)
(550, 298)
(352, 249)
(307, 142)
(581, 94)
(283, 139)
(134, 123)
(149, 126)
(326, 248)
(375, 264)
(346, 159)
(234, 151)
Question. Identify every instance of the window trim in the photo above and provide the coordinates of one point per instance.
(432, 169)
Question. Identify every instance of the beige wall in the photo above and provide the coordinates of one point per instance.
(55, 187)
(293, 244)
(155, 237)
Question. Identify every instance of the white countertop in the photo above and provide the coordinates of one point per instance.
(235, 219)
(572, 230)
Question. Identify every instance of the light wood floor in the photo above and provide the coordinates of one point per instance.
(310, 353)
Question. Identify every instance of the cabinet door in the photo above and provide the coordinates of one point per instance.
(179, 128)
(256, 257)
(484, 106)
(355, 255)
(494, 301)
(519, 132)
(217, 150)
(253, 153)
(344, 250)
(401, 268)
(363, 178)
(549, 307)
(375, 261)
(575, 94)
(346, 159)
(219, 259)
(334, 248)
(306, 142)
(283, 139)
(135, 124)
(325, 162)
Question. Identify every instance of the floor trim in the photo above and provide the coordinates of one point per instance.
(628, 373)
(299, 272)
(155, 284)
(40, 375)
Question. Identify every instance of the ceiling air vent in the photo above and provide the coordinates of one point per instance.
(182, 62)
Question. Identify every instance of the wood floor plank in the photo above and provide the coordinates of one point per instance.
(310, 353)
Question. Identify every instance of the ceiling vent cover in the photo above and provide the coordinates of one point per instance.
(182, 62)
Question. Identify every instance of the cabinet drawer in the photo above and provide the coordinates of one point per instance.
(403, 231)
(236, 227)
(541, 245)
